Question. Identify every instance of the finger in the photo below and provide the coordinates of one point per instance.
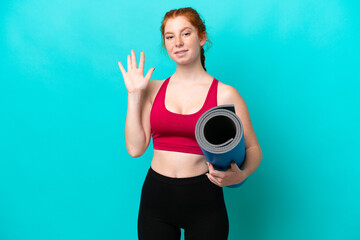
(217, 174)
(122, 69)
(214, 172)
(211, 168)
(149, 73)
(142, 61)
(213, 180)
(133, 59)
(129, 63)
(234, 166)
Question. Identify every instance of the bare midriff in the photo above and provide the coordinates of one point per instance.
(178, 164)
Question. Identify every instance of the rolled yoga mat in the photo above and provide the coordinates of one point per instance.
(220, 135)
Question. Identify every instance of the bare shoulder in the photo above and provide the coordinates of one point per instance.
(153, 88)
(229, 95)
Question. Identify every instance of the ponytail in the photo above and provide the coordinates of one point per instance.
(202, 57)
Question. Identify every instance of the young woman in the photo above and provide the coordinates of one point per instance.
(180, 191)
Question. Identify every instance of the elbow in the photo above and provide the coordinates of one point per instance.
(256, 151)
(134, 152)
(135, 155)
(260, 153)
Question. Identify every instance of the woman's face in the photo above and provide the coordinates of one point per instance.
(181, 40)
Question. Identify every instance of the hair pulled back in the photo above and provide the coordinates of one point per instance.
(194, 18)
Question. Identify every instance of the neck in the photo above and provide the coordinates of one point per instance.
(190, 72)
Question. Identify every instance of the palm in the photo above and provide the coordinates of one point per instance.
(134, 78)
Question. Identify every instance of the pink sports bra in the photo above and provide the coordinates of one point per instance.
(173, 131)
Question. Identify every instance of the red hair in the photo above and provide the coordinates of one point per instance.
(194, 18)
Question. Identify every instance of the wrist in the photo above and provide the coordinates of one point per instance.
(135, 92)
(135, 96)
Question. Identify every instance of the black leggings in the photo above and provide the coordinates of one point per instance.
(194, 204)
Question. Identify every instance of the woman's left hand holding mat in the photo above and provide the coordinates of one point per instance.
(233, 175)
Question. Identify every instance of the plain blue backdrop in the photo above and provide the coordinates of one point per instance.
(64, 169)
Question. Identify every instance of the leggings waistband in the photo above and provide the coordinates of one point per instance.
(187, 180)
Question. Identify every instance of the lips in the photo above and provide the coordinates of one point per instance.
(182, 51)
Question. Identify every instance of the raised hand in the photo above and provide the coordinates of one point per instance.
(134, 78)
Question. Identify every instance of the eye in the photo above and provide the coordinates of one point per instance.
(187, 34)
(169, 37)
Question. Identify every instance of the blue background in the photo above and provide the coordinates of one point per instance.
(64, 169)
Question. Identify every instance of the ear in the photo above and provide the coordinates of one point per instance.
(203, 39)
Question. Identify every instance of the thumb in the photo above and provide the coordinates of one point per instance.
(233, 165)
(149, 73)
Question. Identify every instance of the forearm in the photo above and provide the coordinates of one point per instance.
(252, 161)
(134, 132)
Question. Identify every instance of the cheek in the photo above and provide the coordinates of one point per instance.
(194, 43)
(168, 46)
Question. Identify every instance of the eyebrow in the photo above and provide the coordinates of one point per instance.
(180, 31)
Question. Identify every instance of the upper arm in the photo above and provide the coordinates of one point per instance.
(229, 95)
(147, 102)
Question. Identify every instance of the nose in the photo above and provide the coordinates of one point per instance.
(179, 42)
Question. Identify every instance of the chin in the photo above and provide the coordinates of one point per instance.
(182, 61)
